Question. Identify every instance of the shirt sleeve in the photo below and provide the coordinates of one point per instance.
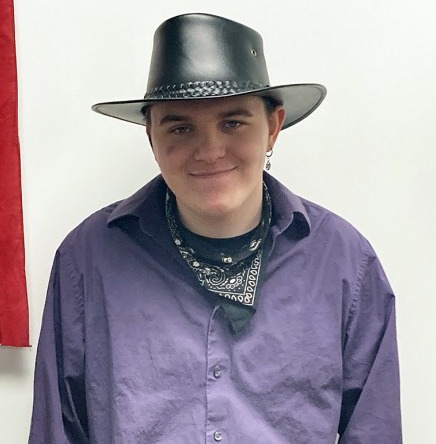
(371, 395)
(59, 407)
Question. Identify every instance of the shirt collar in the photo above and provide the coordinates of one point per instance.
(288, 210)
(143, 204)
(148, 204)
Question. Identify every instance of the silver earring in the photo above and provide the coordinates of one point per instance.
(268, 163)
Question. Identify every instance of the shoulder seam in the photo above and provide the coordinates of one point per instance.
(73, 274)
(359, 280)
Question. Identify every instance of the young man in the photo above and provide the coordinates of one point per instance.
(215, 305)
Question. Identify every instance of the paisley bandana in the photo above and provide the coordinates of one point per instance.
(229, 268)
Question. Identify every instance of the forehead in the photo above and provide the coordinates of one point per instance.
(209, 106)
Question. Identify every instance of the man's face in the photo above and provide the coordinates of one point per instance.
(211, 153)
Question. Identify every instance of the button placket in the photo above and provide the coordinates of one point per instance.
(216, 384)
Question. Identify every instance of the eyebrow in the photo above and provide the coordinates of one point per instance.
(236, 112)
(168, 118)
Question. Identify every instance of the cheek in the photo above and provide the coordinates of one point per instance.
(253, 150)
(170, 158)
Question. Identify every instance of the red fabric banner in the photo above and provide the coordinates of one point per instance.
(14, 315)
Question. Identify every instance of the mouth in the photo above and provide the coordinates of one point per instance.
(213, 173)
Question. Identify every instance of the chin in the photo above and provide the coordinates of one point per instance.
(217, 210)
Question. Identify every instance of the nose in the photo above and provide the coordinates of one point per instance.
(210, 146)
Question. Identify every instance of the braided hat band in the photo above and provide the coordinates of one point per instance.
(203, 88)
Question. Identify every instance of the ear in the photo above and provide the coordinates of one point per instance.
(275, 120)
(147, 129)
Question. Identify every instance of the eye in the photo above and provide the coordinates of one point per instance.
(179, 130)
(232, 124)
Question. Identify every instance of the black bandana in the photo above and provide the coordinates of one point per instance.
(229, 268)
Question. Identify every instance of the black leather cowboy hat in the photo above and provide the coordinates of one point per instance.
(200, 56)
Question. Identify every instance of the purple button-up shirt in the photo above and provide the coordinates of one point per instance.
(133, 349)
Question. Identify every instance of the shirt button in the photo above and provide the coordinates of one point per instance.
(218, 436)
(217, 372)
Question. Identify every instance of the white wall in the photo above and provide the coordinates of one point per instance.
(368, 153)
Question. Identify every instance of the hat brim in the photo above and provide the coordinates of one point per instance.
(298, 100)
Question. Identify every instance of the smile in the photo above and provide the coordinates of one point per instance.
(214, 173)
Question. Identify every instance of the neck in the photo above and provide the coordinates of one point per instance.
(223, 226)
(220, 228)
